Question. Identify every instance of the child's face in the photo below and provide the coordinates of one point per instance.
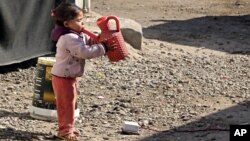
(76, 24)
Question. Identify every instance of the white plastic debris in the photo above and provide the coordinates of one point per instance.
(130, 127)
(100, 97)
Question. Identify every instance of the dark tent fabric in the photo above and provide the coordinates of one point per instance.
(25, 27)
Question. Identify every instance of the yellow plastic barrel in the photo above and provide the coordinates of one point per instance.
(43, 104)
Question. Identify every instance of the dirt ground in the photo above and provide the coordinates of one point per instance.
(190, 81)
(217, 27)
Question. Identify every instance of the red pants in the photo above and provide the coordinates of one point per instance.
(66, 93)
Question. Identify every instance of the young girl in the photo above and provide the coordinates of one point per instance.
(72, 48)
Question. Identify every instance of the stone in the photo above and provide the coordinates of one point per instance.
(132, 32)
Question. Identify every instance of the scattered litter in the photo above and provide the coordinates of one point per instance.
(100, 97)
(129, 127)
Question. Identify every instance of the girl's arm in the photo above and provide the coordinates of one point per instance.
(77, 47)
(89, 40)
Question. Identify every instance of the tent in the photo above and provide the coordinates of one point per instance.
(25, 27)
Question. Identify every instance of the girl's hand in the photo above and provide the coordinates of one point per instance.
(113, 45)
(109, 47)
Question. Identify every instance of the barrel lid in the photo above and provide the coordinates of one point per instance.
(46, 60)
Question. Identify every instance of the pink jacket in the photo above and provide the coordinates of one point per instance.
(71, 52)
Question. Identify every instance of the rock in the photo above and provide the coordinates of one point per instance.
(132, 32)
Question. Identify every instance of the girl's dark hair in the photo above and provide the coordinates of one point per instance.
(65, 11)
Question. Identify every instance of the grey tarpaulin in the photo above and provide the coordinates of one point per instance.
(25, 27)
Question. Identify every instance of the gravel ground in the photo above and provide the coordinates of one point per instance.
(175, 90)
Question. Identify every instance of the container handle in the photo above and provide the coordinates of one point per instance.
(116, 20)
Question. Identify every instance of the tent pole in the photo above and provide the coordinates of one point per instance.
(86, 6)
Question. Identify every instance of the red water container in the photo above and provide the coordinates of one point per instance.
(110, 36)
